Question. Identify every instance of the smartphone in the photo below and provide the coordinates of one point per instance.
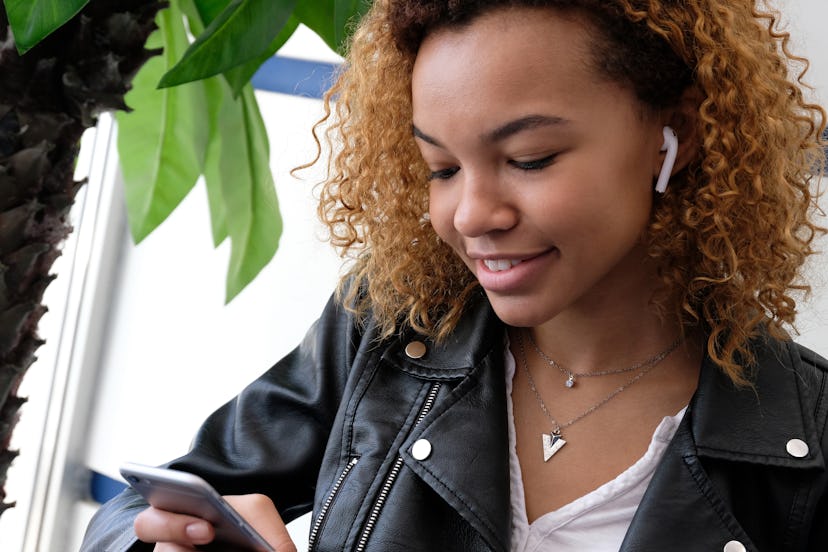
(186, 493)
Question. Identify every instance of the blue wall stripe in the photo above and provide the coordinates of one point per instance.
(102, 487)
(297, 77)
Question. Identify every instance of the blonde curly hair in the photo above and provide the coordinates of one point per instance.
(731, 234)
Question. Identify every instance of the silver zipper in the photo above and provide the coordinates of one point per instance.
(392, 475)
(317, 525)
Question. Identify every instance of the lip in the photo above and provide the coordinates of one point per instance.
(515, 278)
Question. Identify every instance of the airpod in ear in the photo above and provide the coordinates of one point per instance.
(671, 147)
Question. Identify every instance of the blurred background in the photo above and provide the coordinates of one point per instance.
(140, 345)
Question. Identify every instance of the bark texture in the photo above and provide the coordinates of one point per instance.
(48, 97)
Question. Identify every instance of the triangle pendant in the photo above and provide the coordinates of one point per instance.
(551, 444)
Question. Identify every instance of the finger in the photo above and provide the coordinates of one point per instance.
(260, 512)
(154, 525)
(170, 547)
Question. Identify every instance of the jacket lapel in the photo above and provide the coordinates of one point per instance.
(468, 465)
(681, 506)
(723, 422)
(469, 462)
(755, 424)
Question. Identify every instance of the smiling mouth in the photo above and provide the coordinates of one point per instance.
(499, 265)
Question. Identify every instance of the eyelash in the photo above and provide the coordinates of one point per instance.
(443, 174)
(533, 165)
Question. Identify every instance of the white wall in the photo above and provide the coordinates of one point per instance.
(807, 21)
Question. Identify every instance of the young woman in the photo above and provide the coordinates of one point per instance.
(578, 228)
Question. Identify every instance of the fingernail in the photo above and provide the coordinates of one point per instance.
(198, 532)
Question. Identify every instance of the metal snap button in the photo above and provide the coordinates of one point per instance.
(797, 448)
(734, 546)
(415, 349)
(421, 449)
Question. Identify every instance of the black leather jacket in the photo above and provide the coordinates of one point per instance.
(331, 427)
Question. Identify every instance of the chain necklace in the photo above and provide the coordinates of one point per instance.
(570, 375)
(554, 441)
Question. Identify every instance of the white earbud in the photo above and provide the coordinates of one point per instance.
(671, 147)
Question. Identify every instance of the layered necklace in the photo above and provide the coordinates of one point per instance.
(554, 441)
(570, 375)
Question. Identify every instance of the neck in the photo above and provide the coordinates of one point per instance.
(608, 330)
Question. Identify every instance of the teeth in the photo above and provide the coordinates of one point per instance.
(496, 265)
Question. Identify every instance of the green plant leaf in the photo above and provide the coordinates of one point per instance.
(209, 10)
(251, 207)
(239, 76)
(243, 31)
(195, 19)
(33, 20)
(201, 12)
(161, 143)
(332, 20)
(240, 188)
(217, 114)
(222, 115)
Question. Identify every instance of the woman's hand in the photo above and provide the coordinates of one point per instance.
(178, 532)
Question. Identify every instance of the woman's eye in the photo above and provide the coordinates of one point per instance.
(443, 174)
(534, 164)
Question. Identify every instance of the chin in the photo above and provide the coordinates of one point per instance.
(521, 313)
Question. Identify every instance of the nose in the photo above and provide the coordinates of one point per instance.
(484, 205)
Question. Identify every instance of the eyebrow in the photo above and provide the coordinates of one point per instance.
(502, 132)
(425, 137)
(524, 123)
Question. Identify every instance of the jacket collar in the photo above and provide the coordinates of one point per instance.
(474, 338)
(755, 424)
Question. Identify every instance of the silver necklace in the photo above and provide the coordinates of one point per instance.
(554, 441)
(570, 375)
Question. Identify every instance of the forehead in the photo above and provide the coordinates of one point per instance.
(507, 56)
(532, 29)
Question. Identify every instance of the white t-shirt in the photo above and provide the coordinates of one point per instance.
(596, 522)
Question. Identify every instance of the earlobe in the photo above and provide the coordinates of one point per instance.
(671, 147)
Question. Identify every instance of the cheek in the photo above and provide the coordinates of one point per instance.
(595, 204)
(624, 186)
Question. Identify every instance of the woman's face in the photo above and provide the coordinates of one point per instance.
(542, 171)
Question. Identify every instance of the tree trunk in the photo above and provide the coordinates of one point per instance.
(48, 97)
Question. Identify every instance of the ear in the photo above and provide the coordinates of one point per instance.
(683, 119)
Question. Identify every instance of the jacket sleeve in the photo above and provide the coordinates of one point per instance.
(270, 439)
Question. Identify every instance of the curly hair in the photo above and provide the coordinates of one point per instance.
(731, 234)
